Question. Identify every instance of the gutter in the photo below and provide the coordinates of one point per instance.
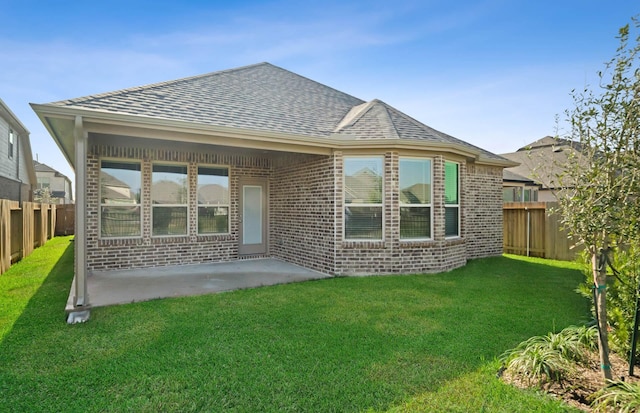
(95, 120)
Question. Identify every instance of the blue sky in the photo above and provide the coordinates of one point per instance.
(495, 73)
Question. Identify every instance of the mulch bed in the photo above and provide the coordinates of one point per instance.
(578, 389)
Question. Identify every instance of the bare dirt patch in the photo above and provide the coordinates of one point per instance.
(579, 387)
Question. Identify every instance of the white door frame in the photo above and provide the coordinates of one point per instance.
(259, 205)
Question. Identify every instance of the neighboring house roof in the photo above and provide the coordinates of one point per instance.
(362, 186)
(168, 192)
(543, 161)
(260, 102)
(213, 194)
(416, 194)
(23, 134)
(44, 168)
(113, 190)
(41, 167)
(509, 176)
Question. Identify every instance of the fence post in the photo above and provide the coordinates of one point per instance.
(5, 235)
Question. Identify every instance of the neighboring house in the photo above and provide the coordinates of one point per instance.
(17, 176)
(259, 161)
(52, 185)
(517, 188)
(543, 162)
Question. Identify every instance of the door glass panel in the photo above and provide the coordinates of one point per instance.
(252, 214)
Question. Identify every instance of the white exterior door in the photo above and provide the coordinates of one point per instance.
(253, 217)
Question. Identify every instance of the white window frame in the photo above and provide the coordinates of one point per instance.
(452, 205)
(101, 204)
(186, 233)
(11, 143)
(227, 205)
(381, 205)
(44, 182)
(430, 205)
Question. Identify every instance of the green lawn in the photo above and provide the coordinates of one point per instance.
(395, 343)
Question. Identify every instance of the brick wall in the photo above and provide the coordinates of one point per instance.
(302, 209)
(391, 255)
(483, 210)
(148, 251)
(306, 210)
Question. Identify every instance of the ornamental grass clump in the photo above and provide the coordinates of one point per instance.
(536, 361)
(550, 358)
(618, 396)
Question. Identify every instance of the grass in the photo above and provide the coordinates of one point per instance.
(416, 343)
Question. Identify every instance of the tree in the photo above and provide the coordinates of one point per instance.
(600, 207)
(42, 195)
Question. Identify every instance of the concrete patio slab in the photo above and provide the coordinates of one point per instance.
(127, 286)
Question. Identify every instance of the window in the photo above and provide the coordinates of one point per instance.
(363, 198)
(451, 199)
(120, 208)
(415, 198)
(11, 143)
(530, 195)
(169, 200)
(43, 183)
(508, 194)
(213, 200)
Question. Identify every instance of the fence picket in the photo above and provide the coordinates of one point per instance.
(534, 229)
(23, 227)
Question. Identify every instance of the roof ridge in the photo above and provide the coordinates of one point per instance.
(359, 111)
(386, 107)
(157, 84)
(356, 112)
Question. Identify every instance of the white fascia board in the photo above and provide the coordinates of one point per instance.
(99, 121)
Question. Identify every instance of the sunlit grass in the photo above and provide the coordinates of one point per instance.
(23, 279)
(398, 343)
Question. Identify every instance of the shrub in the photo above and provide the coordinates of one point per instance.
(621, 295)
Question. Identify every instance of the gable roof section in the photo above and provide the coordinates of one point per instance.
(41, 167)
(543, 161)
(260, 100)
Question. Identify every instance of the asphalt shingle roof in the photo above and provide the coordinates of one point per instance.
(544, 160)
(264, 97)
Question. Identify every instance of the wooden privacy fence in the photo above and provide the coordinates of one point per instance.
(532, 229)
(65, 219)
(23, 228)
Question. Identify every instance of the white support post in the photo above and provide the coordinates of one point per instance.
(81, 299)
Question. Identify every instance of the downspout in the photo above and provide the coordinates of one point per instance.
(18, 169)
(81, 306)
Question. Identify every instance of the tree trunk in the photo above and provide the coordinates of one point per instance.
(600, 298)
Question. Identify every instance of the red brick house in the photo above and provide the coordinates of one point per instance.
(261, 162)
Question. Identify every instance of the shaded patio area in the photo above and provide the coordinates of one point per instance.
(127, 286)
